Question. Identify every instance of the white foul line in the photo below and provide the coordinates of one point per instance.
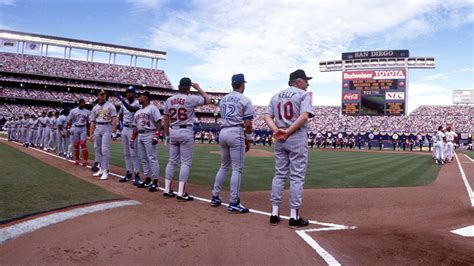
(469, 157)
(22, 228)
(302, 233)
(466, 182)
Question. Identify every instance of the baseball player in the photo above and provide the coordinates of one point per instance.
(8, 127)
(128, 108)
(24, 129)
(234, 139)
(450, 137)
(287, 117)
(178, 125)
(147, 122)
(54, 130)
(103, 121)
(77, 127)
(47, 132)
(439, 146)
(41, 129)
(17, 128)
(61, 123)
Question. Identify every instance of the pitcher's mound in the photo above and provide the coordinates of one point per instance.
(253, 153)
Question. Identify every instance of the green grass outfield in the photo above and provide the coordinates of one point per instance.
(29, 186)
(326, 168)
(468, 153)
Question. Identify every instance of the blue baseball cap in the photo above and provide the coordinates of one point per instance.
(238, 78)
(130, 89)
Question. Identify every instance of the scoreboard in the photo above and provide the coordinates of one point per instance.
(374, 92)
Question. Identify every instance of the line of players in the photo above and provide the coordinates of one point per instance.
(443, 145)
(43, 132)
(286, 116)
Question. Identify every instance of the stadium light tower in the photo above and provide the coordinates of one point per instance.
(376, 82)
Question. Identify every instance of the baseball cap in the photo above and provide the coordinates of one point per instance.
(238, 78)
(299, 74)
(147, 94)
(185, 82)
(101, 92)
(130, 89)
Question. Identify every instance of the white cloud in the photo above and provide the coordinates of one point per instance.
(268, 39)
(141, 6)
(421, 93)
(7, 2)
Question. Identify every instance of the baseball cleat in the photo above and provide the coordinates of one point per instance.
(84, 164)
(105, 175)
(300, 222)
(145, 184)
(236, 207)
(184, 197)
(153, 187)
(126, 178)
(168, 194)
(95, 167)
(98, 173)
(137, 182)
(215, 201)
(274, 219)
(76, 162)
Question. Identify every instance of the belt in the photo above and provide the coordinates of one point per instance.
(125, 125)
(182, 126)
(102, 123)
(55, 128)
(238, 125)
(79, 125)
(141, 131)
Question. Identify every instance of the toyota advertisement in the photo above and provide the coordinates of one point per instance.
(374, 92)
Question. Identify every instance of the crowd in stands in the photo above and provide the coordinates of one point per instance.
(75, 69)
(424, 119)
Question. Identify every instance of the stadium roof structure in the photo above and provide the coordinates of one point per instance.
(377, 60)
(112, 49)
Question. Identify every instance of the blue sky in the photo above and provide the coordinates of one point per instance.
(266, 40)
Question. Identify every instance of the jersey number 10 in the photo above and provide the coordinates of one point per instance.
(287, 110)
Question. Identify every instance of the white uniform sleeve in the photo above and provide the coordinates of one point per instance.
(156, 114)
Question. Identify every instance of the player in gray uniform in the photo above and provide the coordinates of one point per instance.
(77, 127)
(33, 124)
(147, 122)
(127, 110)
(41, 129)
(47, 132)
(61, 123)
(54, 131)
(234, 139)
(17, 128)
(179, 116)
(287, 117)
(24, 129)
(103, 122)
(8, 127)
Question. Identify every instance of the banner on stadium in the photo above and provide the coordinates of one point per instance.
(33, 46)
(9, 43)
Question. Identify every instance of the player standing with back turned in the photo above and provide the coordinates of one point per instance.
(287, 117)
(234, 139)
(178, 125)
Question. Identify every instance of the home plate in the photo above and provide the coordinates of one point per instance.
(465, 231)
